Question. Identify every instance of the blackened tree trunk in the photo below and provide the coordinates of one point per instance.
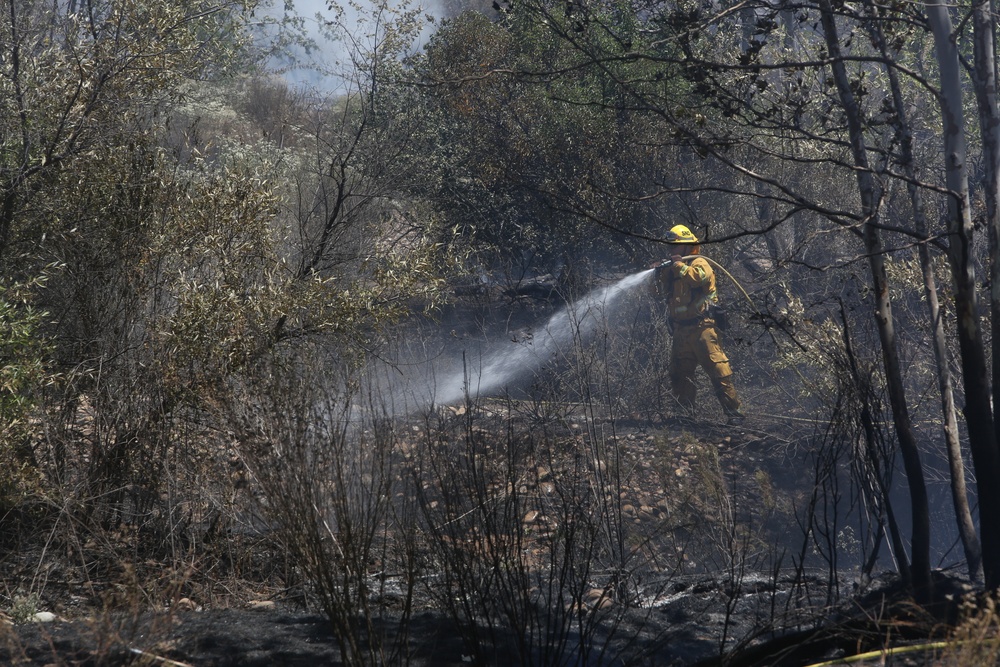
(953, 446)
(920, 569)
(984, 82)
(976, 379)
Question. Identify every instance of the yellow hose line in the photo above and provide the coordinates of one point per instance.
(887, 652)
(788, 418)
(730, 276)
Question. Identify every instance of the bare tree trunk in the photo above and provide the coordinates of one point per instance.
(920, 568)
(984, 81)
(978, 411)
(953, 446)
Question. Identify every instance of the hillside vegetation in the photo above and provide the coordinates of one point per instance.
(228, 302)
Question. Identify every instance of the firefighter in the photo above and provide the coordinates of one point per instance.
(689, 288)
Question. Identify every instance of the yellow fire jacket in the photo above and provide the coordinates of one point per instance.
(688, 287)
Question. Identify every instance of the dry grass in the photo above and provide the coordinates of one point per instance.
(975, 640)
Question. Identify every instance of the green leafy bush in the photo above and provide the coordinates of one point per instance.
(24, 371)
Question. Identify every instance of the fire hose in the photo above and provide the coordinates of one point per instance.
(753, 306)
(715, 264)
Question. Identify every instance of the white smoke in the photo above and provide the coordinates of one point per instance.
(312, 40)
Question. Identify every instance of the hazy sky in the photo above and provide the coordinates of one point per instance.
(330, 52)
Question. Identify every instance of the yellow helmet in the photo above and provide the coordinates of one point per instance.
(681, 234)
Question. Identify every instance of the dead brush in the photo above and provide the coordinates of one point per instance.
(975, 640)
(132, 625)
(535, 562)
(321, 463)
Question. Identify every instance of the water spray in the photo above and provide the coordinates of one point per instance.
(500, 366)
(494, 367)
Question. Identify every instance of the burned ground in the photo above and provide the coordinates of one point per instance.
(697, 608)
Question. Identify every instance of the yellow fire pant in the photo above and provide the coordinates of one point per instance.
(694, 345)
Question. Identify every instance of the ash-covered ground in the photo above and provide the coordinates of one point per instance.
(759, 611)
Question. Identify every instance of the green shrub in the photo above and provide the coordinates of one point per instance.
(24, 371)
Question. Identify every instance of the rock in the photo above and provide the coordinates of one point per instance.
(598, 598)
(186, 604)
(261, 604)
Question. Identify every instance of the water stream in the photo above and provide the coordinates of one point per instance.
(495, 368)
